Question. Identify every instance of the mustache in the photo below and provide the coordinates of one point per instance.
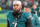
(16, 10)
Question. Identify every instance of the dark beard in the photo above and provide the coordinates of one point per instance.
(16, 11)
(16, 14)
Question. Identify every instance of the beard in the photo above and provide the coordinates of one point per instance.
(16, 11)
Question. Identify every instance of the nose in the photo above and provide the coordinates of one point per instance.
(15, 6)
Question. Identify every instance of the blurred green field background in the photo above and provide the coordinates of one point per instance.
(3, 20)
(3, 25)
(3, 15)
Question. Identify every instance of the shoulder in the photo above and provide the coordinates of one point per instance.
(31, 9)
(9, 13)
(39, 7)
(27, 14)
(35, 15)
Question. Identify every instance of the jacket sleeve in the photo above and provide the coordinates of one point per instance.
(8, 25)
(29, 23)
(36, 20)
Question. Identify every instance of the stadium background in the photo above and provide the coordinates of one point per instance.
(6, 6)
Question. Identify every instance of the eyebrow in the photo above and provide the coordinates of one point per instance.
(13, 5)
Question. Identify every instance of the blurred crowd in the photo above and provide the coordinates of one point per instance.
(7, 4)
(26, 4)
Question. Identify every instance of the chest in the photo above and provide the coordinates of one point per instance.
(33, 18)
(35, 10)
(22, 19)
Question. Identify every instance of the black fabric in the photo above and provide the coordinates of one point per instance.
(32, 12)
(28, 23)
(8, 25)
(17, 15)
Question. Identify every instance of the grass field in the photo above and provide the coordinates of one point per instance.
(3, 25)
(3, 22)
(3, 15)
(3, 18)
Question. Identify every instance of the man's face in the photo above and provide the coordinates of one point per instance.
(27, 10)
(17, 7)
(34, 6)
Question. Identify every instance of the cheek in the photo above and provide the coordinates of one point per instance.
(25, 8)
(19, 7)
(35, 6)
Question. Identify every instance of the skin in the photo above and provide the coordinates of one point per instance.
(17, 7)
(34, 6)
(39, 10)
(27, 9)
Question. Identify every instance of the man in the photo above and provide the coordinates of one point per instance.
(17, 18)
(34, 18)
(9, 4)
(35, 9)
(27, 8)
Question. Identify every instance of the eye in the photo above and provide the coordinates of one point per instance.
(17, 5)
(13, 5)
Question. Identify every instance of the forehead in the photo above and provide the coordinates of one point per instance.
(16, 4)
(34, 5)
